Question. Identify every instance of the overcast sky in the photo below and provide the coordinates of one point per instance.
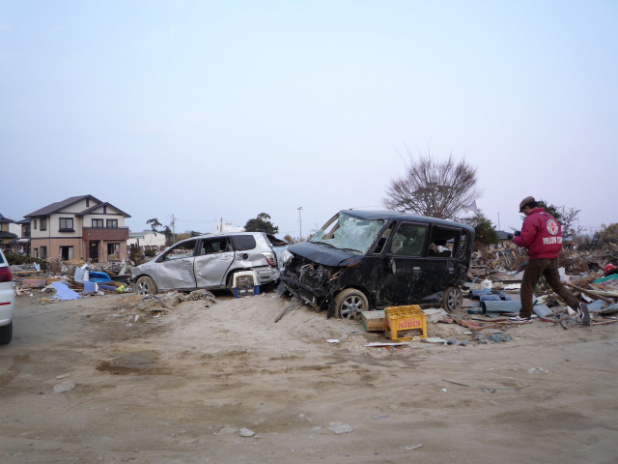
(213, 110)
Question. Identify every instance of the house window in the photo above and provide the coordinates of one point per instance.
(97, 223)
(113, 250)
(43, 223)
(66, 253)
(66, 224)
(36, 252)
(43, 252)
(112, 223)
(35, 223)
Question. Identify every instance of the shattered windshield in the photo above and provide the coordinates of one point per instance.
(349, 233)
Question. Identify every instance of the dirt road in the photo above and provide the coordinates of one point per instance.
(84, 382)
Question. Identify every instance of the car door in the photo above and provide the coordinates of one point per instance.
(175, 270)
(214, 258)
(421, 263)
(404, 277)
(443, 261)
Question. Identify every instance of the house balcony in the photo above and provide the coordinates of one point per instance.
(116, 234)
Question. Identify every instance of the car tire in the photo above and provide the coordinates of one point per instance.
(6, 334)
(146, 286)
(349, 304)
(453, 298)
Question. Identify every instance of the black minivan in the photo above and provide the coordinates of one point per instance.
(363, 260)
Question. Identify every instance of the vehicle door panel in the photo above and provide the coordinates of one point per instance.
(212, 262)
(403, 272)
(415, 276)
(176, 268)
(443, 263)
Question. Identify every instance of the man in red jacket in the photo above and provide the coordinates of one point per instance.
(541, 234)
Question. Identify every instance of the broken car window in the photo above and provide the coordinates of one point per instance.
(442, 242)
(461, 250)
(349, 233)
(380, 245)
(182, 250)
(409, 240)
(213, 246)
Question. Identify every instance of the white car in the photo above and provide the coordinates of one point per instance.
(7, 301)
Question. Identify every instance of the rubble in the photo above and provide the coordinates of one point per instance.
(492, 295)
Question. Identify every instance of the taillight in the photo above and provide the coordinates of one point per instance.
(5, 274)
(270, 257)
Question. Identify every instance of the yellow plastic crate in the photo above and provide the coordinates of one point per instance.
(405, 322)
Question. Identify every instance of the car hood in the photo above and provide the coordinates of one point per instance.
(142, 268)
(323, 254)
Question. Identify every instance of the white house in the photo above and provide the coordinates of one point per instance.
(146, 240)
(226, 227)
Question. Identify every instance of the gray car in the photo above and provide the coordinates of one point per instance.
(209, 262)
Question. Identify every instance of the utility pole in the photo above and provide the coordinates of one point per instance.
(174, 227)
(300, 221)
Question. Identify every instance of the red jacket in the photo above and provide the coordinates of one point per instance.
(541, 234)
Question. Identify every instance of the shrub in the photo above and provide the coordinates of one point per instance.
(15, 259)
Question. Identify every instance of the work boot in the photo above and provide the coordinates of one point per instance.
(520, 320)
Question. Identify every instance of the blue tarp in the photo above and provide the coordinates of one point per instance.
(605, 279)
(63, 292)
(90, 287)
(99, 277)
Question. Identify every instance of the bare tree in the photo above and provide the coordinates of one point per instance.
(431, 188)
(567, 217)
(570, 222)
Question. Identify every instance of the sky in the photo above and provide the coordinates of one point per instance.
(210, 111)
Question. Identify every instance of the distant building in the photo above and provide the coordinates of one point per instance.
(146, 240)
(9, 231)
(225, 227)
(503, 239)
(79, 227)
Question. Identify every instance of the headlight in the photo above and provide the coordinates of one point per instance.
(286, 257)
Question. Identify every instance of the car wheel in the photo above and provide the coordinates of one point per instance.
(146, 286)
(6, 334)
(350, 303)
(452, 298)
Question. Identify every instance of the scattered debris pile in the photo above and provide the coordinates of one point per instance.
(69, 279)
(492, 296)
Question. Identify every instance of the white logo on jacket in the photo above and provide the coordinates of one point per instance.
(552, 227)
(552, 240)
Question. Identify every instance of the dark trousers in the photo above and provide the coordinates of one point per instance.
(549, 269)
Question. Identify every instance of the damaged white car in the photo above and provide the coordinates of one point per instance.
(209, 262)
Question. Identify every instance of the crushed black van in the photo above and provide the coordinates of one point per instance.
(363, 260)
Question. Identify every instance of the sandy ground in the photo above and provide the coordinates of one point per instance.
(84, 382)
